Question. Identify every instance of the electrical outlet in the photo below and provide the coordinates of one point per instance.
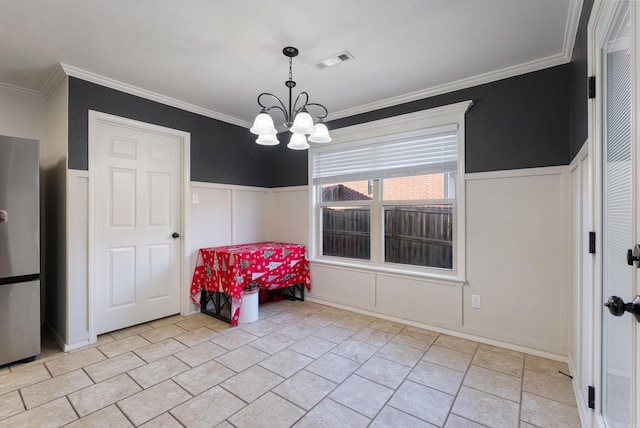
(475, 301)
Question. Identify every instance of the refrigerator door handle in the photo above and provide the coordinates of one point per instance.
(19, 279)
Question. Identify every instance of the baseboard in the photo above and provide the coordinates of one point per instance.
(54, 333)
(450, 332)
(60, 341)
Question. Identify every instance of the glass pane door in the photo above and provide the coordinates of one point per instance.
(617, 218)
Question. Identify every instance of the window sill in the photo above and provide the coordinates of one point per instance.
(401, 271)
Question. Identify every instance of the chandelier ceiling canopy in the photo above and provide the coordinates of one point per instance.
(297, 116)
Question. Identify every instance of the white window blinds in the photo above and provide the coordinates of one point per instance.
(419, 152)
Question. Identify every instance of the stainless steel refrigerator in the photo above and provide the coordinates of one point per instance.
(19, 249)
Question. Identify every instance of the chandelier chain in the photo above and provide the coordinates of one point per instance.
(290, 67)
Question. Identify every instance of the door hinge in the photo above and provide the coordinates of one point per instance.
(592, 397)
(592, 87)
(592, 242)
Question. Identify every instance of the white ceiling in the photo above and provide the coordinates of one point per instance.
(214, 57)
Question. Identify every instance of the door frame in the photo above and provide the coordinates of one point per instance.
(96, 117)
(601, 17)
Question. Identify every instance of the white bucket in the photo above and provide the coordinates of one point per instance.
(249, 307)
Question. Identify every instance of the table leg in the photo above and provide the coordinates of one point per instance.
(290, 293)
(216, 305)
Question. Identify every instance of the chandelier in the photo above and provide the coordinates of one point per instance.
(296, 118)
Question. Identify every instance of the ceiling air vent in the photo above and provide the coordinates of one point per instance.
(333, 60)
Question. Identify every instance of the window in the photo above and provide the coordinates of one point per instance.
(346, 219)
(386, 193)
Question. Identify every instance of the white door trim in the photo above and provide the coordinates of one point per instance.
(596, 214)
(96, 117)
(601, 16)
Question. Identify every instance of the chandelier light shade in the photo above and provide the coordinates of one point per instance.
(321, 134)
(268, 140)
(297, 117)
(298, 142)
(303, 123)
(263, 125)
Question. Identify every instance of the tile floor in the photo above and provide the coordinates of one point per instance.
(301, 364)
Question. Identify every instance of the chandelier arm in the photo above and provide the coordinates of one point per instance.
(295, 105)
(326, 112)
(280, 107)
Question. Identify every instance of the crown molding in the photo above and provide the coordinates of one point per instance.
(573, 22)
(18, 90)
(52, 82)
(490, 77)
(150, 95)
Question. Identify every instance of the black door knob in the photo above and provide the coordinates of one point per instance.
(634, 256)
(175, 235)
(618, 307)
(615, 305)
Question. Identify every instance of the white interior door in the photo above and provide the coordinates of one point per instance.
(619, 211)
(136, 170)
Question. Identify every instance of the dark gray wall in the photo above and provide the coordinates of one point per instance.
(533, 120)
(288, 167)
(579, 69)
(520, 122)
(220, 152)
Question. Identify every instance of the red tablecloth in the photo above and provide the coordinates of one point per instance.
(230, 269)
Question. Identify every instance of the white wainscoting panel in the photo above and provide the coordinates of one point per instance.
(251, 215)
(418, 300)
(77, 304)
(211, 216)
(211, 221)
(291, 214)
(350, 287)
(517, 259)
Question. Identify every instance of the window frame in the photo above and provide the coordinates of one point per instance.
(355, 135)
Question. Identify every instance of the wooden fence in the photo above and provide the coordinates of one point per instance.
(346, 233)
(419, 236)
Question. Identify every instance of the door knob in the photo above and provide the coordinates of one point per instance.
(618, 307)
(634, 256)
(175, 235)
